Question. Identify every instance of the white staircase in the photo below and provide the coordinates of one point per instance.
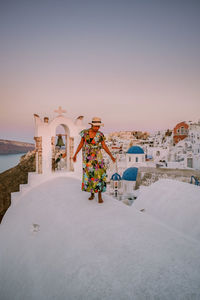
(35, 179)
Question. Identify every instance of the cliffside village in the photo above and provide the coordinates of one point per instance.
(177, 149)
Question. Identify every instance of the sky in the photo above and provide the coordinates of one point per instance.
(135, 64)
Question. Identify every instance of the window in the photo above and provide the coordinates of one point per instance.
(129, 159)
(158, 153)
(136, 159)
(189, 162)
(182, 130)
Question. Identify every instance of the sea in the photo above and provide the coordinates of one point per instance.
(8, 161)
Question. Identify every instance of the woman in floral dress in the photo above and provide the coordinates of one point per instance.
(94, 169)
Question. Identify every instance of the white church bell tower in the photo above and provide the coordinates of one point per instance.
(47, 154)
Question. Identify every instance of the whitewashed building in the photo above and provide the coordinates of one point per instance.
(194, 137)
(185, 154)
(135, 156)
(123, 187)
(129, 178)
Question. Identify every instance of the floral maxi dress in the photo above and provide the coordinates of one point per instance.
(94, 169)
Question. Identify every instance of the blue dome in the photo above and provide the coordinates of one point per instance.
(130, 174)
(116, 176)
(135, 150)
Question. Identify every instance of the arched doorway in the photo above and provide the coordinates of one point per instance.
(60, 149)
(62, 153)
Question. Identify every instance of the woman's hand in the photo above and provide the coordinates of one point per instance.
(113, 159)
(78, 149)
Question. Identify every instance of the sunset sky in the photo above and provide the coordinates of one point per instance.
(135, 64)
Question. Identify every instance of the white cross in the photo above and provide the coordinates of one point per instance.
(60, 111)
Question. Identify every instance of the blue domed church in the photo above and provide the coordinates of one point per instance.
(129, 178)
(115, 184)
(135, 157)
(123, 187)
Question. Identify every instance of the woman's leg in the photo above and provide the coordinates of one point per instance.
(100, 200)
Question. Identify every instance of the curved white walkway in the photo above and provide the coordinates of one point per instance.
(55, 244)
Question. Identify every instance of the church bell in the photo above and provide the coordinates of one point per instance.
(60, 142)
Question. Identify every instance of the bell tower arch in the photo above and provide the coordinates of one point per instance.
(45, 140)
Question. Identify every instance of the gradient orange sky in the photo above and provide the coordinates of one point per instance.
(135, 64)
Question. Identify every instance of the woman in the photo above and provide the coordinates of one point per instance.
(94, 170)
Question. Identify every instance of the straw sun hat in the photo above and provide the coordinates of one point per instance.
(96, 122)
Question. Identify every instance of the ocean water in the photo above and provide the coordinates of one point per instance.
(8, 161)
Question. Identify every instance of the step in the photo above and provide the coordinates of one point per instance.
(31, 175)
(14, 197)
(24, 188)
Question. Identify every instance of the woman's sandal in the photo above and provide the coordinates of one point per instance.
(91, 197)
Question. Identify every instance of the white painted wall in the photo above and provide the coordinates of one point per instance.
(47, 130)
(128, 186)
(133, 160)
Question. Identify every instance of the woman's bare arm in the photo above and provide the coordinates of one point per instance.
(78, 148)
(107, 150)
